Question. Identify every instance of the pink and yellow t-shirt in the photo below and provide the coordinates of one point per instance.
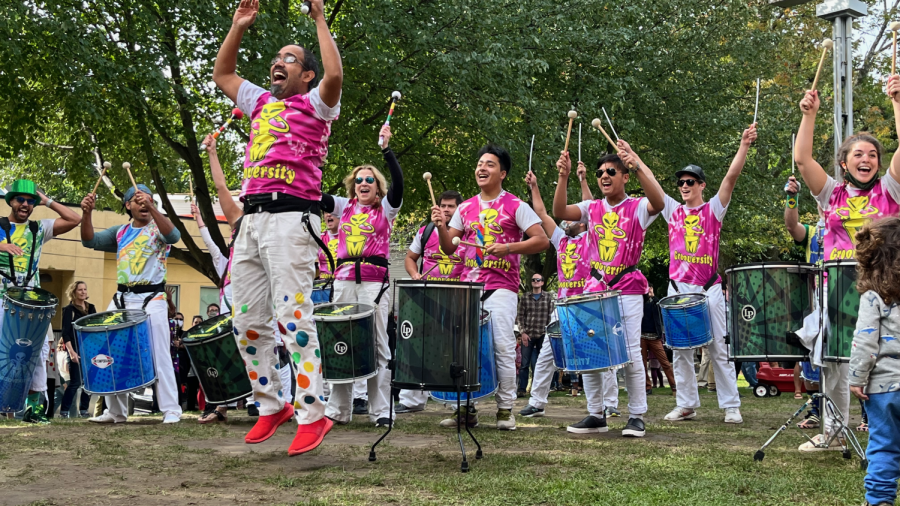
(365, 231)
(617, 241)
(288, 142)
(331, 241)
(505, 219)
(572, 262)
(694, 240)
(449, 267)
(847, 209)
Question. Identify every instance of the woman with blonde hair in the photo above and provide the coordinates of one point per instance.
(78, 307)
(361, 274)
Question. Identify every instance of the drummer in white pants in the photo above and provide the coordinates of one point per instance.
(694, 230)
(142, 248)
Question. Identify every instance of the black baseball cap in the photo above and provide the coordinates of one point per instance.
(693, 170)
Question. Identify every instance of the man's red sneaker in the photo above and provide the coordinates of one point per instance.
(267, 425)
(309, 436)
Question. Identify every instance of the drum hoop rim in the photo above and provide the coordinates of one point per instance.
(221, 316)
(585, 297)
(141, 319)
(683, 305)
(763, 265)
(53, 302)
(416, 283)
(837, 263)
(188, 341)
(339, 318)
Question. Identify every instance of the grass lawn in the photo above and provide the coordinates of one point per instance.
(703, 461)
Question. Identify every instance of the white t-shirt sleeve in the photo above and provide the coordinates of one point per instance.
(892, 186)
(643, 213)
(219, 260)
(585, 207)
(416, 246)
(390, 212)
(557, 236)
(322, 110)
(47, 226)
(340, 203)
(825, 195)
(248, 94)
(717, 208)
(456, 221)
(670, 206)
(526, 217)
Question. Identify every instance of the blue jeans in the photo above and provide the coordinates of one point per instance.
(883, 451)
(529, 361)
(749, 370)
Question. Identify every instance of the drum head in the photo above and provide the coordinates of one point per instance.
(111, 319)
(451, 284)
(682, 300)
(31, 297)
(212, 327)
(578, 299)
(340, 312)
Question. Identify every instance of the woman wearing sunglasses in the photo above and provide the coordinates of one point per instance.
(694, 229)
(361, 275)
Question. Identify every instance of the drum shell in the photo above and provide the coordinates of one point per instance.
(24, 332)
(218, 366)
(687, 326)
(438, 325)
(348, 344)
(769, 300)
(321, 293)
(129, 345)
(810, 374)
(487, 369)
(601, 313)
(843, 309)
(554, 338)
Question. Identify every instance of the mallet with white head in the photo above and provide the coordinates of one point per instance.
(596, 123)
(395, 97)
(127, 167)
(826, 45)
(572, 115)
(305, 6)
(427, 177)
(106, 166)
(456, 242)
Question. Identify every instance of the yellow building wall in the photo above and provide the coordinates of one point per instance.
(64, 260)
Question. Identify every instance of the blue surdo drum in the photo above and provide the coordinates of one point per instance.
(116, 352)
(687, 320)
(26, 320)
(554, 337)
(810, 372)
(321, 292)
(488, 369)
(593, 333)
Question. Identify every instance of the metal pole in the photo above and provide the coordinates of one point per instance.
(838, 56)
(848, 75)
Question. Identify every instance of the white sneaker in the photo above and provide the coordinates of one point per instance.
(681, 414)
(106, 417)
(733, 415)
(817, 444)
(171, 418)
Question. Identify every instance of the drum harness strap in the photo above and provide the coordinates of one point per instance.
(426, 234)
(324, 247)
(153, 290)
(706, 286)
(33, 227)
(376, 261)
(599, 276)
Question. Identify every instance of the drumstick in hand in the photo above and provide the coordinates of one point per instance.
(572, 115)
(457, 242)
(429, 270)
(127, 167)
(106, 165)
(826, 45)
(427, 177)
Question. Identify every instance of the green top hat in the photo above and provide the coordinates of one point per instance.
(21, 187)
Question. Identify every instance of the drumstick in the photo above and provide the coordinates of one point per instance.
(580, 177)
(531, 153)
(826, 45)
(427, 177)
(609, 121)
(596, 123)
(106, 165)
(895, 26)
(191, 186)
(429, 270)
(457, 242)
(395, 97)
(572, 115)
(756, 108)
(127, 167)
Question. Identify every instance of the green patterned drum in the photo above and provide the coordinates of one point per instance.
(768, 304)
(216, 360)
(347, 340)
(438, 333)
(843, 309)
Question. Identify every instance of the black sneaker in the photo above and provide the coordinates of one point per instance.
(634, 428)
(531, 412)
(383, 422)
(402, 408)
(252, 410)
(590, 425)
(360, 406)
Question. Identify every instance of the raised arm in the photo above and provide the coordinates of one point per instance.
(232, 212)
(225, 69)
(813, 173)
(652, 189)
(87, 225)
(333, 77)
(581, 171)
(737, 165)
(791, 213)
(561, 209)
(68, 219)
(395, 192)
(893, 90)
(546, 221)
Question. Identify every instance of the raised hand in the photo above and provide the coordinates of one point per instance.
(437, 216)
(581, 171)
(792, 187)
(386, 133)
(316, 8)
(810, 103)
(246, 13)
(893, 87)
(564, 164)
(749, 135)
(87, 203)
(142, 199)
(530, 179)
(210, 143)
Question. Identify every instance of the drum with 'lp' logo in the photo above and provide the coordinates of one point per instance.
(347, 340)
(216, 360)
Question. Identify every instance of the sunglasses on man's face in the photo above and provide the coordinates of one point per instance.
(23, 200)
(689, 182)
(537, 280)
(609, 170)
(368, 179)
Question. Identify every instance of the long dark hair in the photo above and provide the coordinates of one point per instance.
(878, 258)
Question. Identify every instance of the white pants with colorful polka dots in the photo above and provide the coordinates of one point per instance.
(340, 402)
(274, 264)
